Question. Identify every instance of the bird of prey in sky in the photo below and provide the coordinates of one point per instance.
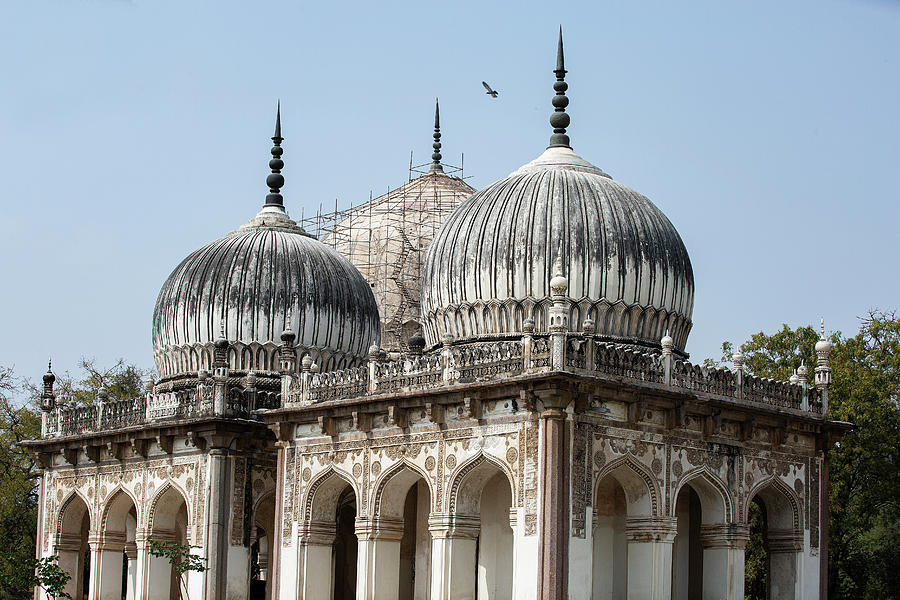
(490, 92)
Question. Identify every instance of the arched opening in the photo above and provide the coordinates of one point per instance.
(261, 547)
(169, 521)
(707, 557)
(623, 500)
(479, 535)
(756, 560)
(328, 543)
(687, 554)
(610, 546)
(72, 546)
(778, 526)
(118, 552)
(400, 541)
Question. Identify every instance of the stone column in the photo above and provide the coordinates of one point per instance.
(314, 548)
(141, 565)
(131, 575)
(217, 525)
(106, 565)
(68, 548)
(650, 557)
(159, 577)
(454, 543)
(723, 561)
(784, 559)
(378, 559)
(553, 559)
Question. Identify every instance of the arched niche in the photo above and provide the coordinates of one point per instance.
(783, 536)
(73, 528)
(118, 551)
(168, 521)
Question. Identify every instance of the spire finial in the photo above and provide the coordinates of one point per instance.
(275, 180)
(436, 156)
(560, 119)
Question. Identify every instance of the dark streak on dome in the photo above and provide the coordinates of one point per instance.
(490, 265)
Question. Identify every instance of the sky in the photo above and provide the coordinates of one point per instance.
(134, 131)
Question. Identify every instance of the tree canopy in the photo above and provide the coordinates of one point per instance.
(865, 464)
(20, 419)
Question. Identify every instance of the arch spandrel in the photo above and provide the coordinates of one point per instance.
(641, 489)
(468, 479)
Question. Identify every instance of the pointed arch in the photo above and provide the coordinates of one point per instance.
(715, 500)
(326, 488)
(73, 496)
(472, 475)
(168, 487)
(640, 486)
(395, 477)
(777, 496)
(112, 500)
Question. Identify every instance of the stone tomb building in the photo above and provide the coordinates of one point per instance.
(544, 436)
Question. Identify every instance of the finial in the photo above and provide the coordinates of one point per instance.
(560, 119)
(275, 180)
(436, 156)
(559, 285)
(822, 328)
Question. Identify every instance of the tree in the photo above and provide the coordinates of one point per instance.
(20, 420)
(865, 464)
(180, 557)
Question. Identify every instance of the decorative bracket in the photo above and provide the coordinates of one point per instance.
(93, 452)
(141, 446)
(473, 408)
(196, 440)
(327, 426)
(435, 412)
(70, 455)
(398, 416)
(166, 443)
(748, 429)
(362, 421)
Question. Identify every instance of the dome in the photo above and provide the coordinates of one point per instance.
(490, 266)
(249, 286)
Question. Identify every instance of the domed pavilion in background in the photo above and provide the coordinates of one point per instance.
(529, 427)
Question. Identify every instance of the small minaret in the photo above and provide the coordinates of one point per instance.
(48, 398)
(559, 119)
(823, 369)
(559, 316)
(436, 155)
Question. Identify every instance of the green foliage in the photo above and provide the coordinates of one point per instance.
(756, 556)
(178, 554)
(29, 573)
(122, 381)
(20, 420)
(865, 465)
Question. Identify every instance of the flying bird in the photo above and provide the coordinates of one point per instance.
(490, 92)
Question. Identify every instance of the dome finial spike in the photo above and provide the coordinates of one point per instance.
(560, 119)
(436, 155)
(275, 180)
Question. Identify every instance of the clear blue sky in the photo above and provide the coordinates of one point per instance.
(132, 132)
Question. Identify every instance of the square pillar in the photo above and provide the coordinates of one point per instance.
(784, 563)
(453, 556)
(106, 566)
(650, 557)
(68, 548)
(131, 575)
(314, 549)
(378, 558)
(723, 561)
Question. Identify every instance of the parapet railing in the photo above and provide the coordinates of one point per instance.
(222, 394)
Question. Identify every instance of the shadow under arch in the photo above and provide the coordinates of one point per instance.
(75, 522)
(393, 485)
(716, 502)
(168, 488)
(326, 488)
(640, 486)
(471, 476)
(113, 501)
(76, 497)
(777, 496)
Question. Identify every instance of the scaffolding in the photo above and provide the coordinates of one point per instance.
(386, 239)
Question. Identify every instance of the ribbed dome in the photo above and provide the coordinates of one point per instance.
(253, 284)
(490, 265)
